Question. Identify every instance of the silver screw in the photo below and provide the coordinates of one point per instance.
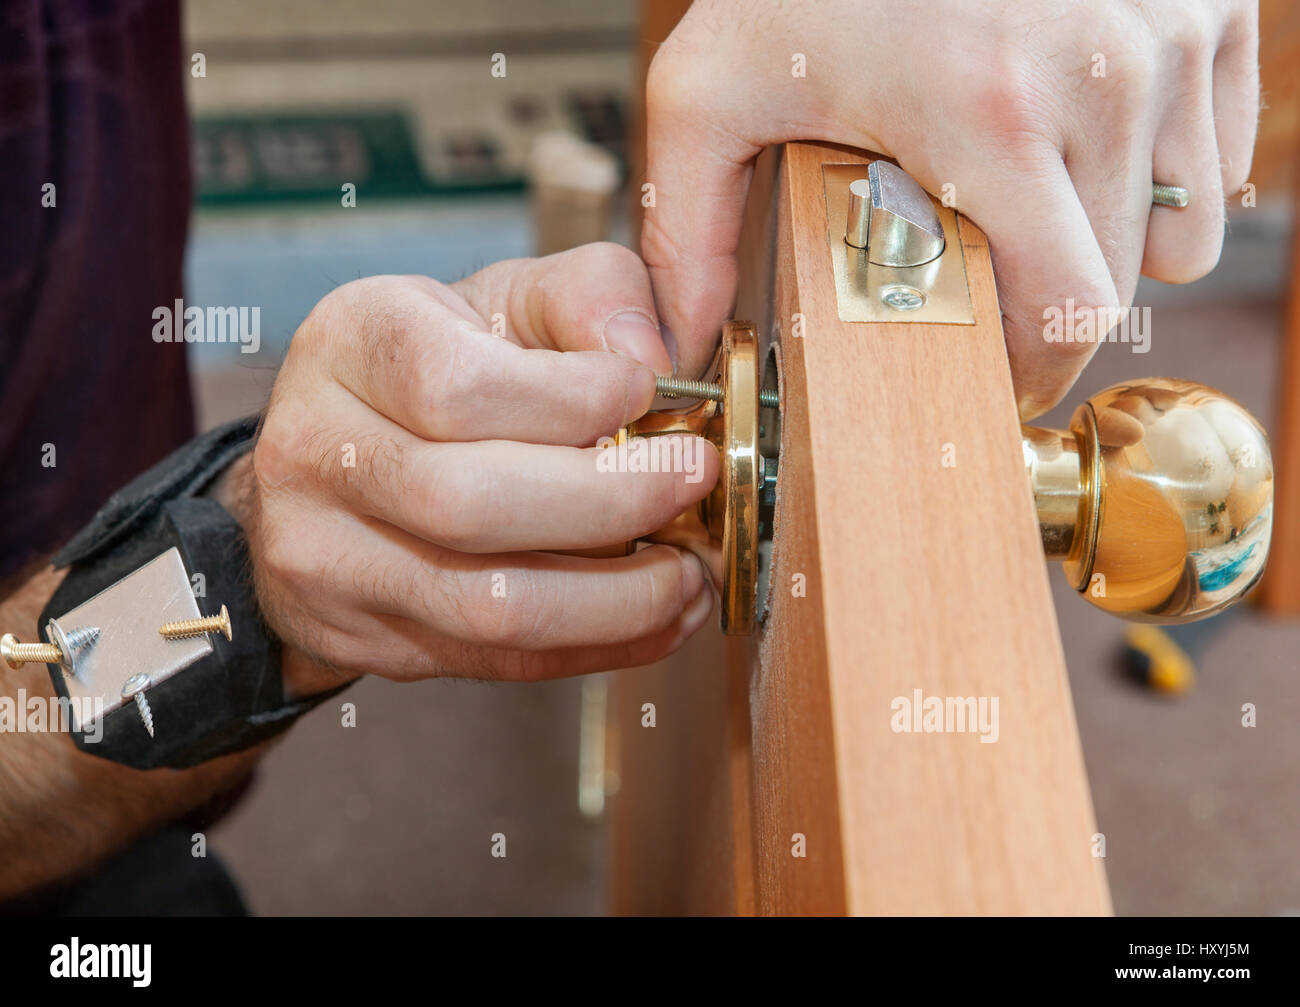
(767, 484)
(902, 298)
(133, 688)
(684, 388)
(71, 643)
(1169, 195)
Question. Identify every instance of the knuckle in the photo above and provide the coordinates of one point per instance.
(1008, 108)
(345, 307)
(669, 87)
(384, 469)
(665, 588)
(278, 450)
(387, 323)
(604, 257)
(605, 405)
(655, 499)
(528, 667)
(660, 247)
(1131, 62)
(1196, 41)
(491, 664)
(458, 510)
(347, 651)
(525, 619)
(289, 558)
(442, 382)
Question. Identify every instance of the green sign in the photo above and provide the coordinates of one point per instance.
(254, 158)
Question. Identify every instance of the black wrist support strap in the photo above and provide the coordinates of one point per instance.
(231, 699)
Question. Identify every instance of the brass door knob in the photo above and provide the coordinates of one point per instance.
(1158, 500)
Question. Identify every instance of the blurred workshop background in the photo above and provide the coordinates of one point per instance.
(394, 816)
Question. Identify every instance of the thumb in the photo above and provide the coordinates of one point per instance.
(697, 178)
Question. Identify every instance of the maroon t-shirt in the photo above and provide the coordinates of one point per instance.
(91, 102)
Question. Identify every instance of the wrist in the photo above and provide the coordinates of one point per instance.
(236, 490)
(301, 674)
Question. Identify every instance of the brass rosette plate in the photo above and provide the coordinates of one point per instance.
(741, 475)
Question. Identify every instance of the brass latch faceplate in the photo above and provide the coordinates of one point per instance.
(865, 291)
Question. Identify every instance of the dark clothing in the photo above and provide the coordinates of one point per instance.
(158, 876)
(91, 100)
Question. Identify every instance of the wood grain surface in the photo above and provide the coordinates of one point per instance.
(929, 577)
(917, 575)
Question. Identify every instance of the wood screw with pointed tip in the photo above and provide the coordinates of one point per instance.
(133, 688)
(198, 627)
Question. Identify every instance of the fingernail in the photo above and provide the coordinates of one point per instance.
(634, 335)
(697, 614)
(693, 575)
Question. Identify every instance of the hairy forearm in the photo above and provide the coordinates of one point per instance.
(62, 810)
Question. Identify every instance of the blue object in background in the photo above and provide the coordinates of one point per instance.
(285, 259)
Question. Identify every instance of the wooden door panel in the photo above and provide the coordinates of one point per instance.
(917, 575)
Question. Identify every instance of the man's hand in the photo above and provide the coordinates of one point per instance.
(1049, 119)
(412, 464)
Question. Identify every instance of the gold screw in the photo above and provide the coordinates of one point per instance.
(16, 654)
(63, 648)
(198, 627)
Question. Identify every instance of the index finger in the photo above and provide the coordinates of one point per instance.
(593, 297)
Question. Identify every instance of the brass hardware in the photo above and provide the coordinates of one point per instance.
(723, 529)
(62, 650)
(17, 653)
(129, 612)
(1158, 499)
(865, 291)
(187, 628)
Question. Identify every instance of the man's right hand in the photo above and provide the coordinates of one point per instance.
(1044, 121)
(412, 464)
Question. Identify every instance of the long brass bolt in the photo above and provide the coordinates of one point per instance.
(63, 648)
(198, 627)
(16, 654)
(684, 388)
